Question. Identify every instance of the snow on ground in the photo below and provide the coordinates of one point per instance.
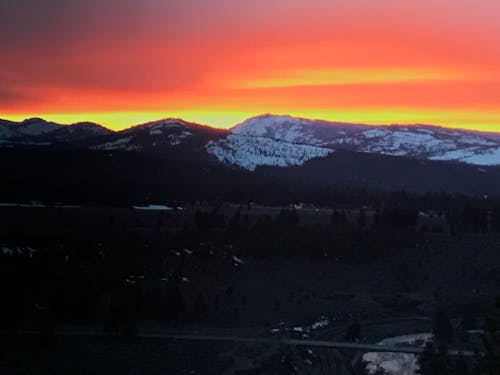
(35, 127)
(396, 363)
(260, 126)
(490, 157)
(5, 131)
(177, 139)
(237, 261)
(28, 128)
(455, 154)
(153, 207)
(250, 152)
(29, 251)
(284, 128)
(9, 204)
(429, 143)
(170, 123)
(402, 142)
(474, 156)
(293, 129)
(7, 251)
(422, 141)
(34, 204)
(119, 144)
(322, 322)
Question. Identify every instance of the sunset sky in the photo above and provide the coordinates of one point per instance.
(123, 62)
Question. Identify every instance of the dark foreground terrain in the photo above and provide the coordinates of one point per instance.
(330, 273)
(94, 355)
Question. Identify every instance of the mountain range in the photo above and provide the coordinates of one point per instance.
(266, 140)
(38, 132)
(413, 157)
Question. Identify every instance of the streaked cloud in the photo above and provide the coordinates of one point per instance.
(351, 77)
(106, 60)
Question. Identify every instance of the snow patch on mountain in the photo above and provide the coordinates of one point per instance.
(159, 127)
(428, 143)
(487, 157)
(283, 128)
(6, 130)
(88, 128)
(417, 141)
(119, 144)
(249, 152)
(295, 130)
(178, 138)
(279, 140)
(171, 123)
(36, 126)
(474, 156)
(38, 132)
(26, 128)
(401, 142)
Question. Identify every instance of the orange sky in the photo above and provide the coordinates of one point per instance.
(219, 61)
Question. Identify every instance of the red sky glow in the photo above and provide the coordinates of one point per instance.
(219, 61)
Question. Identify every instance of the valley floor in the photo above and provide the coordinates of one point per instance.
(123, 269)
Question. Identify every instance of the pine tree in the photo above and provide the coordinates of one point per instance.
(489, 363)
(353, 331)
(361, 218)
(434, 361)
(442, 328)
(460, 367)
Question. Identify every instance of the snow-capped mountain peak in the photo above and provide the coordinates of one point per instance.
(427, 142)
(36, 126)
(77, 132)
(160, 125)
(283, 128)
(27, 128)
(279, 140)
(417, 141)
(37, 131)
(163, 136)
(261, 125)
(295, 129)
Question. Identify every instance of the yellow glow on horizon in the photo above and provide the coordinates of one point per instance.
(222, 61)
(484, 120)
